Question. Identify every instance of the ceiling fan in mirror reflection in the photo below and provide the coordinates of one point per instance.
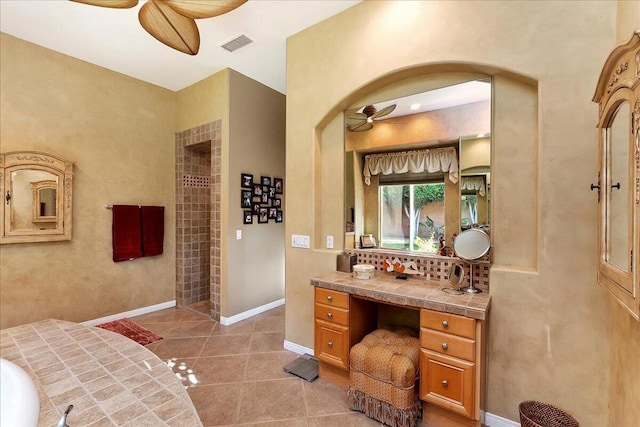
(363, 121)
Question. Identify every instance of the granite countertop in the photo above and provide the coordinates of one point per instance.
(109, 379)
(414, 292)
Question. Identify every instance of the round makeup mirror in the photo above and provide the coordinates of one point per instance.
(470, 246)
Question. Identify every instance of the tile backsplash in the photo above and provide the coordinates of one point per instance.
(431, 267)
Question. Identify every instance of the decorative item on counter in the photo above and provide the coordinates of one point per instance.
(453, 243)
(363, 271)
(345, 262)
(444, 250)
(367, 241)
(456, 276)
(403, 269)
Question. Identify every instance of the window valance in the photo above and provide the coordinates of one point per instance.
(473, 183)
(430, 160)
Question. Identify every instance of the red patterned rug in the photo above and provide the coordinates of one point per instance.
(131, 330)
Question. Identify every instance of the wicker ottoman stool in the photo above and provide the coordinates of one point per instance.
(382, 376)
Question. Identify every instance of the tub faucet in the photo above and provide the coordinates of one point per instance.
(63, 420)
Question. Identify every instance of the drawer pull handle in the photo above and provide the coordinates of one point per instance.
(329, 315)
(445, 324)
(444, 346)
(330, 344)
(445, 383)
(329, 298)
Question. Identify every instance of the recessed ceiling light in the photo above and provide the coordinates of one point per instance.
(415, 106)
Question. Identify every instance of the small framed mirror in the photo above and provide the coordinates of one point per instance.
(37, 195)
(44, 209)
(456, 275)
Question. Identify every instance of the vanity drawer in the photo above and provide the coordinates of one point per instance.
(448, 323)
(447, 382)
(332, 344)
(332, 314)
(333, 298)
(448, 344)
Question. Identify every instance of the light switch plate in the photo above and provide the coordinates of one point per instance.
(300, 241)
(238, 234)
(329, 242)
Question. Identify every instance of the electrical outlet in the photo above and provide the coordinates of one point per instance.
(299, 241)
(329, 242)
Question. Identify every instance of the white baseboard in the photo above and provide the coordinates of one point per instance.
(131, 313)
(491, 420)
(296, 348)
(226, 321)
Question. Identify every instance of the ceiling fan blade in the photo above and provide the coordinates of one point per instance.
(116, 4)
(361, 127)
(198, 9)
(169, 27)
(384, 111)
(356, 118)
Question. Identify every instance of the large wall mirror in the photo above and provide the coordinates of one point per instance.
(36, 196)
(418, 162)
(617, 195)
(618, 184)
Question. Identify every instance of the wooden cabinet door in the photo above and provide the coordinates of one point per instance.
(618, 184)
(332, 344)
(447, 382)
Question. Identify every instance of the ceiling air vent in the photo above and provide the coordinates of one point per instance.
(236, 43)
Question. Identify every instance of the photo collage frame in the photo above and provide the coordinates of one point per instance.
(262, 199)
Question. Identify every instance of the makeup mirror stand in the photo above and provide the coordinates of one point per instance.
(471, 289)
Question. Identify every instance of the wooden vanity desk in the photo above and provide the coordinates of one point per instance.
(452, 336)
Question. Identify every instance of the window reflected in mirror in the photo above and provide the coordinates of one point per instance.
(412, 216)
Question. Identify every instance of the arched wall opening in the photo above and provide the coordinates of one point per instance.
(514, 154)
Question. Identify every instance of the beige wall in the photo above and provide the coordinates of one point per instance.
(203, 102)
(255, 264)
(550, 321)
(119, 131)
(624, 395)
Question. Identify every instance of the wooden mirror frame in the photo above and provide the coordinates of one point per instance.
(619, 87)
(39, 161)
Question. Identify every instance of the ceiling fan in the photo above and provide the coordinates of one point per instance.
(172, 22)
(358, 122)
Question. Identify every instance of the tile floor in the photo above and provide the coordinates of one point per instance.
(239, 373)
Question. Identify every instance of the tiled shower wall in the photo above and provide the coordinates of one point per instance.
(198, 216)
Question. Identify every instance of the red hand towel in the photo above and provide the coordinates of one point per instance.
(126, 232)
(152, 230)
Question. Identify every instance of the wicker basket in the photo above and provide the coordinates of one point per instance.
(538, 414)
